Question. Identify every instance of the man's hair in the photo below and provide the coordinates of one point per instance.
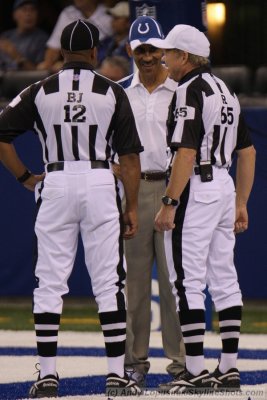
(194, 59)
(198, 60)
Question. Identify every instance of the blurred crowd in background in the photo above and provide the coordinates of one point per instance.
(30, 34)
(30, 41)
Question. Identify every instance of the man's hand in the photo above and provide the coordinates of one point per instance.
(164, 218)
(130, 224)
(7, 47)
(32, 181)
(130, 175)
(245, 170)
(181, 171)
(116, 170)
(51, 58)
(241, 221)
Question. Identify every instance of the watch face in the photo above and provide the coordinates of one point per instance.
(168, 201)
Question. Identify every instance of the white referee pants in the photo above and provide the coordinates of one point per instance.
(200, 248)
(75, 200)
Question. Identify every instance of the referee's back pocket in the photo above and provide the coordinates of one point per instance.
(207, 197)
(50, 193)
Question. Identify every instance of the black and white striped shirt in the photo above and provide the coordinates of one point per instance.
(205, 115)
(77, 114)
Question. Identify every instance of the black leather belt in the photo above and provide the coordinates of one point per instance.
(153, 176)
(197, 169)
(59, 166)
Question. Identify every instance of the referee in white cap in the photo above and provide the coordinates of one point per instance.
(202, 208)
(80, 118)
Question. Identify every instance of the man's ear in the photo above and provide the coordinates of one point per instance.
(93, 56)
(95, 52)
(185, 57)
(129, 50)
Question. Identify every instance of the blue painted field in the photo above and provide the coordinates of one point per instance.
(82, 365)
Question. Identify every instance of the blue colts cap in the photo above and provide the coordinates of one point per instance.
(143, 30)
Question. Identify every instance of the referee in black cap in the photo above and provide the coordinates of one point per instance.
(81, 118)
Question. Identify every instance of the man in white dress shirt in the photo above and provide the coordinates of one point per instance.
(150, 92)
(89, 10)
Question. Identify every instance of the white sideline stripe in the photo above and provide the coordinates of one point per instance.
(194, 339)
(46, 339)
(230, 322)
(113, 339)
(109, 327)
(227, 335)
(96, 339)
(22, 368)
(191, 327)
(46, 327)
(153, 395)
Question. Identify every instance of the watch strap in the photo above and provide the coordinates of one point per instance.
(27, 174)
(168, 201)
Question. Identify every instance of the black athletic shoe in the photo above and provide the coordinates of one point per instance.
(117, 386)
(227, 382)
(45, 387)
(164, 387)
(187, 383)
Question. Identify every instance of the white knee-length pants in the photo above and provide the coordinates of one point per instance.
(200, 248)
(79, 199)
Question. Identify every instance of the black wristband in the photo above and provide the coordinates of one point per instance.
(27, 174)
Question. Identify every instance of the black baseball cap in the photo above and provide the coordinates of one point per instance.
(79, 35)
(20, 3)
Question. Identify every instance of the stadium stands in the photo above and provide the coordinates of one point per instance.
(238, 77)
(250, 85)
(260, 81)
(13, 82)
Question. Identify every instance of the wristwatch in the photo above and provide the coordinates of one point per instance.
(27, 174)
(168, 201)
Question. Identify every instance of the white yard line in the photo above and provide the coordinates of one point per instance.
(21, 368)
(257, 392)
(95, 339)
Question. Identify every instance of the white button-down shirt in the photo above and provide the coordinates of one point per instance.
(151, 112)
(99, 18)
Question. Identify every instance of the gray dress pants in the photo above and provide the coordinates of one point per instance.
(141, 251)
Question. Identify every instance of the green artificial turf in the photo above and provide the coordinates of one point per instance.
(80, 314)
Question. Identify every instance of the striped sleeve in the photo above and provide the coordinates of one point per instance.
(126, 139)
(18, 116)
(188, 118)
(243, 135)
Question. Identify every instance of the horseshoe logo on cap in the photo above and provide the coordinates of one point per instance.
(145, 30)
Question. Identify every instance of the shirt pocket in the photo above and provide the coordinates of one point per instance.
(207, 197)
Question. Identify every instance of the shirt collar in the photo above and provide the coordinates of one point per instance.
(194, 72)
(169, 84)
(77, 64)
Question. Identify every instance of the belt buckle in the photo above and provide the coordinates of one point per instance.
(144, 176)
